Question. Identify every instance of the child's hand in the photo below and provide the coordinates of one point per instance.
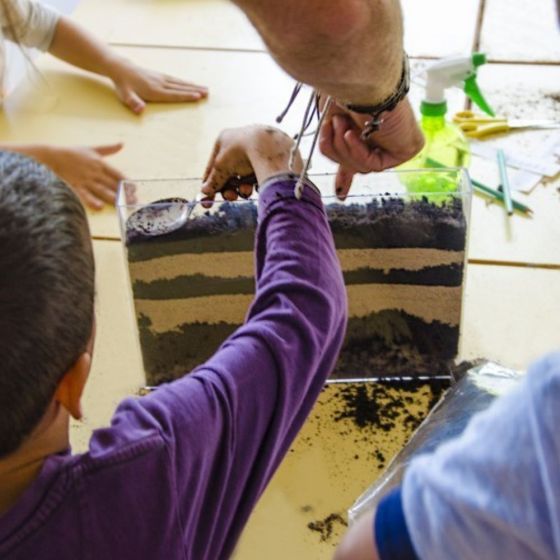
(135, 86)
(86, 171)
(242, 153)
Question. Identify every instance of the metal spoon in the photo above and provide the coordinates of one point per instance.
(161, 217)
(170, 214)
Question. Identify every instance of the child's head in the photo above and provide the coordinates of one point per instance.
(46, 292)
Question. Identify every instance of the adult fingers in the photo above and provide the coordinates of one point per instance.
(326, 137)
(346, 156)
(373, 158)
(343, 181)
(332, 144)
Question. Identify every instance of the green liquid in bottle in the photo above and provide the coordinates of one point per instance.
(446, 145)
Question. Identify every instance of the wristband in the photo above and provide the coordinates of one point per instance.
(389, 104)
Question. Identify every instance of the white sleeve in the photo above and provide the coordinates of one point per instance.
(494, 492)
(30, 23)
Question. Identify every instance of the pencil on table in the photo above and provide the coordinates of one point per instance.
(480, 187)
(505, 181)
(497, 195)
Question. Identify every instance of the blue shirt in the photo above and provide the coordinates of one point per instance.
(494, 492)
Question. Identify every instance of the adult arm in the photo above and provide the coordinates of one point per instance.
(351, 50)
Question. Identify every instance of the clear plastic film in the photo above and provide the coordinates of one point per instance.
(472, 393)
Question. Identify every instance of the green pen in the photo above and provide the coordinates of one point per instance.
(500, 197)
(480, 187)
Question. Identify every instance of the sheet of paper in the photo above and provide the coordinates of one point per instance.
(524, 181)
(546, 164)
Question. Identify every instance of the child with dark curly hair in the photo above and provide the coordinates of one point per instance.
(178, 472)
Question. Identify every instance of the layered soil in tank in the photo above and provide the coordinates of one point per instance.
(403, 264)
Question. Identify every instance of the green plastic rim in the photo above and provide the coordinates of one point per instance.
(433, 109)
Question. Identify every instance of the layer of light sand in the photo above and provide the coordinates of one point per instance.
(394, 259)
(224, 265)
(233, 265)
(168, 315)
(430, 303)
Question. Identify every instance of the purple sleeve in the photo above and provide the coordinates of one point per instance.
(229, 424)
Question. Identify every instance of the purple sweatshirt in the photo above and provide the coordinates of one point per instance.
(178, 473)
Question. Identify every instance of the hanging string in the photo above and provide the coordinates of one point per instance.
(304, 124)
(311, 111)
(293, 97)
(298, 191)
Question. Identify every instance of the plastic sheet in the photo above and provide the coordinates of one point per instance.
(472, 393)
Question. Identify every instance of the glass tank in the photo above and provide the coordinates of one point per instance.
(402, 255)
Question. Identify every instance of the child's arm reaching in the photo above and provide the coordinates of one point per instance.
(212, 440)
(134, 85)
(34, 25)
(83, 168)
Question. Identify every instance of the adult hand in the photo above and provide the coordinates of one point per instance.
(135, 86)
(87, 172)
(398, 140)
(243, 156)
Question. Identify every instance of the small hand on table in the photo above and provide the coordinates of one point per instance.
(135, 86)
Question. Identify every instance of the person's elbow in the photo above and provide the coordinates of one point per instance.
(301, 35)
(340, 21)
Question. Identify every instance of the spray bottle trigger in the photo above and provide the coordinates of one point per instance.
(474, 93)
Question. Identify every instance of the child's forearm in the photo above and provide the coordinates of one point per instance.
(39, 152)
(75, 45)
(134, 85)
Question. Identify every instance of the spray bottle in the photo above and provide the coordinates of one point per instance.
(445, 141)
